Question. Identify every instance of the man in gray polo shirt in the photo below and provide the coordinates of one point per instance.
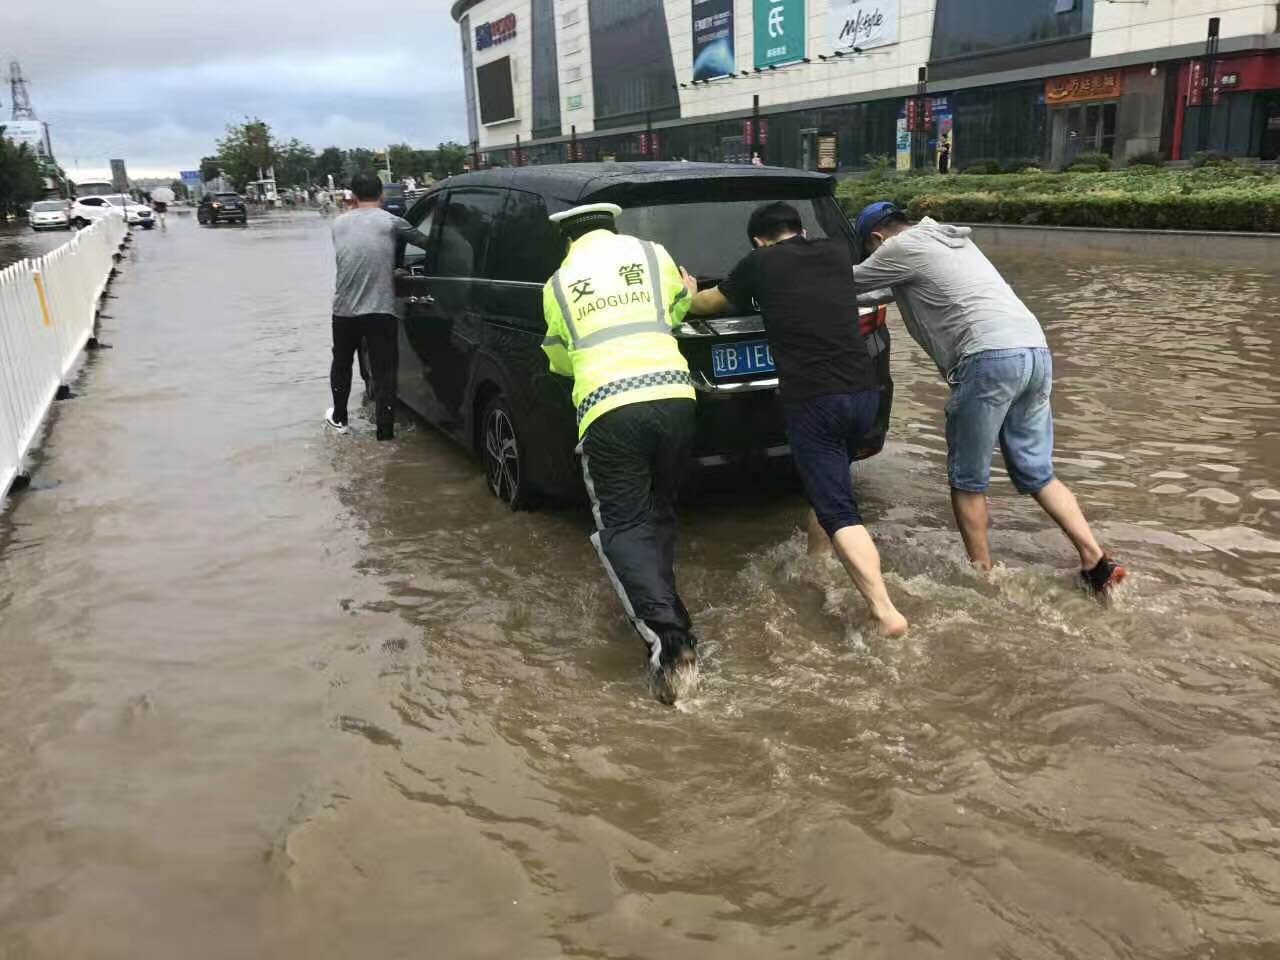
(991, 350)
(364, 301)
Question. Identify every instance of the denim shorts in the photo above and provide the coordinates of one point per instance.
(1001, 395)
(825, 434)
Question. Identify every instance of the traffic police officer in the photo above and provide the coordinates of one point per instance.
(610, 310)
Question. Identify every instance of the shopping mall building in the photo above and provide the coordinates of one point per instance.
(833, 84)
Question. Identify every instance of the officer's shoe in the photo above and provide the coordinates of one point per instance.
(675, 676)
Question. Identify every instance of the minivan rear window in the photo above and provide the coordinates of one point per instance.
(708, 239)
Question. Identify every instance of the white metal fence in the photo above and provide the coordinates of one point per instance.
(47, 309)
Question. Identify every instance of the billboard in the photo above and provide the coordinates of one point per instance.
(712, 39)
(34, 133)
(119, 177)
(779, 32)
(497, 94)
(862, 23)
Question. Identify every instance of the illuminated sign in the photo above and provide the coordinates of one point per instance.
(495, 32)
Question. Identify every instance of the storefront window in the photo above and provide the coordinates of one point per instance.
(1001, 123)
(634, 75)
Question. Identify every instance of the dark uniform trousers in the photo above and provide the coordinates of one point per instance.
(634, 458)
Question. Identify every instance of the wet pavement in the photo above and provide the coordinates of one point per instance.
(269, 692)
(18, 241)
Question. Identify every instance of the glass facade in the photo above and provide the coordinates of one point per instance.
(1000, 123)
(1236, 125)
(545, 73)
(980, 36)
(633, 72)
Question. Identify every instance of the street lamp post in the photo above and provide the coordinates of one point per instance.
(1209, 92)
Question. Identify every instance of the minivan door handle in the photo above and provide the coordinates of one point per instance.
(426, 299)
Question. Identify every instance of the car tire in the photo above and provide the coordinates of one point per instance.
(503, 455)
(79, 223)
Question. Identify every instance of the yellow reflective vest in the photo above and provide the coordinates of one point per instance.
(610, 310)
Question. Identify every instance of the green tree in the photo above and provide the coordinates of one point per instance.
(295, 164)
(329, 164)
(449, 160)
(246, 151)
(20, 179)
(209, 169)
(407, 161)
(179, 189)
(357, 159)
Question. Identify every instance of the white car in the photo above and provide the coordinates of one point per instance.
(49, 215)
(86, 210)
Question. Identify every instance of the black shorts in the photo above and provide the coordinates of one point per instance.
(825, 433)
(159, 206)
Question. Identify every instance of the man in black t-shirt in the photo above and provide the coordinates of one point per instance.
(804, 290)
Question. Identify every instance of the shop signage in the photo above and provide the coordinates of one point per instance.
(650, 145)
(828, 156)
(713, 39)
(779, 32)
(762, 125)
(1083, 87)
(495, 32)
(919, 115)
(862, 23)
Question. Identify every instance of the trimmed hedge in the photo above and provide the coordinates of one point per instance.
(1142, 197)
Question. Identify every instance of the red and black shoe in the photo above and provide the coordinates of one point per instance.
(1103, 578)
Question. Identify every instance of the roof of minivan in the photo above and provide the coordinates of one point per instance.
(576, 181)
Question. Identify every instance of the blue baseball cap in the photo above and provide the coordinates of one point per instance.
(872, 216)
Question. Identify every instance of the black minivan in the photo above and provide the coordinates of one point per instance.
(471, 359)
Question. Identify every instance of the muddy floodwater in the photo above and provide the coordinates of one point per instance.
(266, 692)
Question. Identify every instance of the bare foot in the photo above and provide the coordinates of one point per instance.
(892, 624)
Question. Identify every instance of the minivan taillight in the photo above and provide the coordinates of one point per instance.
(870, 322)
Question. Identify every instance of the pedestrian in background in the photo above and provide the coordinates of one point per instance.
(991, 350)
(830, 391)
(364, 301)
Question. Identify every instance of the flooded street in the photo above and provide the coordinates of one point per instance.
(270, 692)
(18, 241)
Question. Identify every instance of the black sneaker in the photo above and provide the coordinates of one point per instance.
(676, 673)
(1104, 577)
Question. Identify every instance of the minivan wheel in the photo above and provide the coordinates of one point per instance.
(500, 450)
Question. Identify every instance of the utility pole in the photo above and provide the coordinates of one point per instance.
(919, 151)
(573, 143)
(18, 93)
(518, 163)
(1209, 92)
(755, 128)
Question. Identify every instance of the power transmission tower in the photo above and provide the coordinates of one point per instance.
(18, 93)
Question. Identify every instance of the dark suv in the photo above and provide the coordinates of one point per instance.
(471, 360)
(393, 199)
(218, 208)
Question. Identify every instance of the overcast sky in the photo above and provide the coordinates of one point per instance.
(157, 81)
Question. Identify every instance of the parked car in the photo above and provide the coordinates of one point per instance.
(49, 215)
(394, 199)
(218, 208)
(86, 210)
(471, 360)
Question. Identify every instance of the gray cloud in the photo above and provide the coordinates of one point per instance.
(156, 82)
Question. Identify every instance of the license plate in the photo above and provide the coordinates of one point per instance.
(742, 359)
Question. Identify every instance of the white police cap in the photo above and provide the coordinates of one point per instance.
(586, 210)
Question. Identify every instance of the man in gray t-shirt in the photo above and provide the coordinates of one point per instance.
(364, 301)
(992, 351)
